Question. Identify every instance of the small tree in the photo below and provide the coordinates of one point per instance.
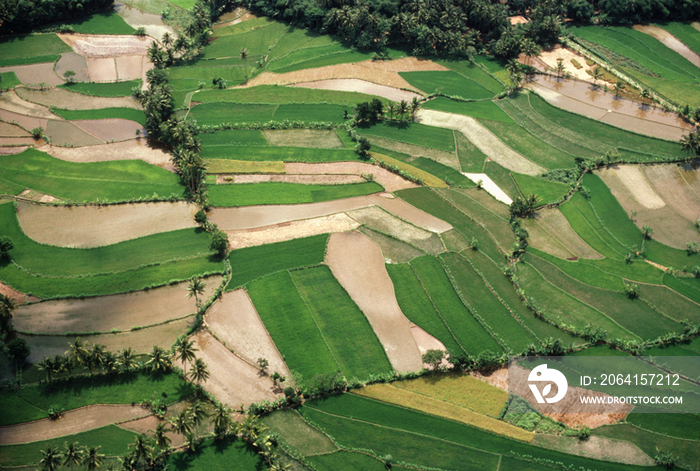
(72, 455)
(667, 460)
(244, 56)
(632, 290)
(434, 358)
(184, 350)
(92, 459)
(647, 231)
(559, 69)
(140, 31)
(263, 364)
(195, 288)
(37, 132)
(619, 87)
(219, 82)
(51, 458)
(69, 75)
(584, 432)
(219, 243)
(222, 420)
(200, 371)
(18, 350)
(362, 148)
(597, 74)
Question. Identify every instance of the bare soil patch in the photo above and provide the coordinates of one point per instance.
(393, 250)
(102, 69)
(61, 98)
(425, 341)
(12, 150)
(550, 230)
(290, 230)
(446, 158)
(670, 41)
(34, 74)
(550, 59)
(489, 186)
(71, 422)
(385, 223)
(139, 149)
(235, 322)
(155, 26)
(232, 380)
(11, 130)
(302, 179)
(104, 313)
(10, 101)
(358, 264)
(673, 189)
(249, 217)
(319, 139)
(90, 45)
(360, 86)
(27, 122)
(129, 67)
(390, 181)
(482, 138)
(600, 448)
(37, 196)
(19, 298)
(644, 126)
(497, 377)
(65, 133)
(17, 141)
(516, 20)
(76, 63)
(110, 130)
(633, 180)
(409, 213)
(95, 226)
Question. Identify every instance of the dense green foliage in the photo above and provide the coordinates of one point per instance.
(103, 89)
(17, 16)
(217, 455)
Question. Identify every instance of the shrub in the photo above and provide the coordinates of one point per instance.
(6, 245)
(140, 31)
(37, 132)
(219, 243)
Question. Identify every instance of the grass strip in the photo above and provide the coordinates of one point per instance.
(447, 82)
(31, 49)
(282, 154)
(243, 166)
(476, 109)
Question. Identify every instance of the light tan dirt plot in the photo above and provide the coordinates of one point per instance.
(385, 223)
(316, 138)
(71, 422)
(249, 217)
(360, 86)
(673, 189)
(550, 231)
(405, 211)
(139, 149)
(393, 250)
(11, 130)
(290, 230)
(390, 181)
(633, 180)
(489, 186)
(104, 313)
(110, 130)
(232, 380)
(61, 98)
(446, 158)
(102, 69)
(10, 101)
(65, 133)
(141, 341)
(16, 296)
(34, 74)
(550, 59)
(600, 448)
(74, 62)
(426, 342)
(358, 265)
(17, 141)
(12, 150)
(497, 377)
(95, 226)
(37, 196)
(27, 122)
(691, 174)
(154, 24)
(90, 45)
(482, 138)
(670, 41)
(235, 322)
(302, 179)
(129, 67)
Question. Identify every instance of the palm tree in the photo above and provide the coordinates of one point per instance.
(97, 356)
(92, 459)
(403, 108)
(73, 455)
(415, 106)
(198, 414)
(597, 74)
(199, 372)
(167, 39)
(222, 419)
(244, 56)
(182, 423)
(392, 110)
(691, 143)
(126, 359)
(195, 288)
(7, 309)
(184, 351)
(143, 449)
(159, 359)
(77, 352)
(619, 87)
(530, 48)
(160, 436)
(51, 458)
(560, 67)
(46, 365)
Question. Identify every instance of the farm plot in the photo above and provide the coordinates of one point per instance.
(360, 86)
(476, 109)
(31, 49)
(415, 134)
(108, 313)
(304, 138)
(111, 130)
(33, 74)
(8, 80)
(671, 304)
(130, 114)
(393, 250)
(281, 154)
(686, 33)
(670, 185)
(70, 100)
(551, 232)
(428, 179)
(236, 323)
(389, 180)
(67, 134)
(597, 448)
(549, 192)
(449, 83)
(234, 137)
(390, 147)
(139, 149)
(410, 213)
(102, 69)
(10, 101)
(473, 71)
(220, 112)
(228, 41)
(105, 90)
(274, 94)
(339, 320)
(671, 42)
(358, 265)
(297, 433)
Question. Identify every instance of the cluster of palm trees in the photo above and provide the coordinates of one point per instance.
(690, 143)
(401, 108)
(184, 351)
(80, 355)
(7, 310)
(71, 456)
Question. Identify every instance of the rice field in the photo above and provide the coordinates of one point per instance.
(283, 154)
(414, 133)
(278, 94)
(221, 113)
(31, 49)
(448, 83)
(116, 89)
(105, 113)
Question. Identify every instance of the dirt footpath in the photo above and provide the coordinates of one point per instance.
(358, 265)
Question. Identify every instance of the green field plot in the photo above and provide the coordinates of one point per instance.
(471, 159)
(108, 22)
(447, 174)
(273, 94)
(312, 113)
(297, 433)
(218, 113)
(105, 113)
(114, 441)
(683, 92)
(217, 455)
(387, 156)
(417, 306)
(284, 154)
(60, 261)
(247, 264)
(186, 4)
(583, 271)
(291, 326)
(501, 176)
(8, 80)
(685, 286)
(685, 34)
(414, 133)
(494, 66)
(549, 192)
(343, 460)
(686, 426)
(234, 137)
(188, 77)
(475, 72)
(17, 410)
(484, 302)
(243, 27)
(465, 328)
(448, 83)
(339, 320)
(31, 49)
(103, 89)
(670, 303)
(320, 53)
(285, 193)
(257, 42)
(477, 109)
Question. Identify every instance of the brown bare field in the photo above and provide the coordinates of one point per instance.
(17, 297)
(104, 313)
(249, 217)
(390, 181)
(141, 341)
(384, 222)
(102, 69)
(27, 122)
(11, 130)
(95, 226)
(358, 265)
(550, 58)
(393, 250)
(643, 126)
(633, 180)
(232, 380)
(670, 41)
(360, 86)
(235, 322)
(290, 230)
(301, 179)
(446, 158)
(426, 342)
(139, 149)
(34, 74)
(74, 62)
(90, 45)
(550, 231)
(673, 189)
(65, 133)
(154, 24)
(379, 72)
(110, 130)
(70, 423)
(10, 101)
(15, 141)
(61, 98)
(497, 377)
(691, 175)
(129, 67)
(405, 211)
(319, 139)
(600, 448)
